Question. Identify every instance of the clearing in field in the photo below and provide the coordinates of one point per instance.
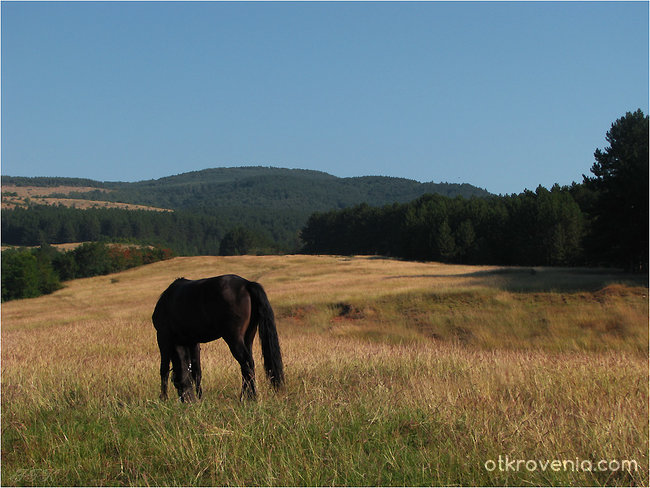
(19, 196)
(397, 373)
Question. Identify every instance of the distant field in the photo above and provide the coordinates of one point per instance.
(69, 246)
(44, 191)
(398, 373)
(16, 196)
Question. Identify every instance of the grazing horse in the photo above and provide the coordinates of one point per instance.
(193, 311)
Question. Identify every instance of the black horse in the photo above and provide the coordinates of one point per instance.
(193, 311)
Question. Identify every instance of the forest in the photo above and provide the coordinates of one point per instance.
(602, 221)
(185, 232)
(544, 227)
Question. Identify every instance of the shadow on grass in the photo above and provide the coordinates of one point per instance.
(545, 279)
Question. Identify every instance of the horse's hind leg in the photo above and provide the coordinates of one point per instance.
(165, 357)
(244, 356)
(181, 377)
(195, 358)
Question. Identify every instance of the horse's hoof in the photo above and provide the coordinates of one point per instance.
(187, 397)
(247, 396)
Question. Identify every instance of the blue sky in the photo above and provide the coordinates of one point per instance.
(505, 96)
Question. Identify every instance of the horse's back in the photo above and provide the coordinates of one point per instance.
(196, 310)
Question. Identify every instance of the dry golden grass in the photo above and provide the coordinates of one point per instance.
(289, 280)
(398, 373)
(69, 246)
(40, 195)
(43, 191)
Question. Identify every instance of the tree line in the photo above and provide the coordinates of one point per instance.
(533, 228)
(184, 232)
(28, 273)
(602, 221)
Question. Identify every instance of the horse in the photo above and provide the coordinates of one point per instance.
(191, 312)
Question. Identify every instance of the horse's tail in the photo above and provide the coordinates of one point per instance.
(262, 313)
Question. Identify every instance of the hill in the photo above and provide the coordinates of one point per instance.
(255, 186)
(274, 203)
(398, 373)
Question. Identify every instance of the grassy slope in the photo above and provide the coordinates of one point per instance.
(17, 197)
(398, 373)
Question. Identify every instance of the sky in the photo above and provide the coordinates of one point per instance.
(505, 96)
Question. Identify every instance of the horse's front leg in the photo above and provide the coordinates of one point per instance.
(164, 376)
(181, 377)
(195, 358)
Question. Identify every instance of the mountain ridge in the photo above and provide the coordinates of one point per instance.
(254, 170)
(255, 186)
(274, 203)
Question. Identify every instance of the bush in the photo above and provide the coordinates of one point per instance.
(25, 276)
(30, 273)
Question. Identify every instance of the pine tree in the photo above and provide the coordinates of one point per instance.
(620, 213)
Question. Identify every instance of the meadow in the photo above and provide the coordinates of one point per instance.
(23, 196)
(398, 373)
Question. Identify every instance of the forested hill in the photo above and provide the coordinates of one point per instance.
(241, 209)
(265, 187)
(248, 210)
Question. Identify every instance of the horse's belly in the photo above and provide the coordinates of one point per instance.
(189, 336)
(209, 338)
(206, 333)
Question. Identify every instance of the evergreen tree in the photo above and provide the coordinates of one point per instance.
(465, 238)
(445, 242)
(620, 212)
(237, 242)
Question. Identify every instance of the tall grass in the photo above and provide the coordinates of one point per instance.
(397, 374)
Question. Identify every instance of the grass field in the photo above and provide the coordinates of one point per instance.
(398, 373)
(18, 196)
